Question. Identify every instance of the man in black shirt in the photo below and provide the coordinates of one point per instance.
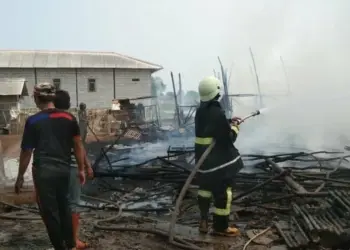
(51, 134)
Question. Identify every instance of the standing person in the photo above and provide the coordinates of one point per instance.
(51, 134)
(62, 102)
(83, 121)
(215, 181)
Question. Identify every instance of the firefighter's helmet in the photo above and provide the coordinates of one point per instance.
(209, 88)
(44, 89)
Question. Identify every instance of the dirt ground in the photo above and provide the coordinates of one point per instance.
(31, 234)
(10, 145)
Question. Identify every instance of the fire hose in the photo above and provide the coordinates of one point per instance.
(178, 242)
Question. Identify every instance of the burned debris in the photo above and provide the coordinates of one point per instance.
(304, 197)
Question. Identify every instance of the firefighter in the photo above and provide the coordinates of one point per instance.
(215, 181)
(50, 135)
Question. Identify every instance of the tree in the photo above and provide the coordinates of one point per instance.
(170, 94)
(192, 97)
(157, 86)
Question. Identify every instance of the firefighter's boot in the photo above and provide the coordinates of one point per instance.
(79, 244)
(203, 226)
(230, 231)
(221, 226)
(204, 205)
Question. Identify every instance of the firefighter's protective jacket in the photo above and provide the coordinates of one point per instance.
(211, 123)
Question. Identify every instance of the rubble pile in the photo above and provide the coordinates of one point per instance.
(306, 195)
(324, 219)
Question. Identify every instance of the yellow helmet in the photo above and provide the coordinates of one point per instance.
(209, 88)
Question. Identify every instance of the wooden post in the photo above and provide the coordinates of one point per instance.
(257, 78)
(175, 99)
(2, 164)
(290, 182)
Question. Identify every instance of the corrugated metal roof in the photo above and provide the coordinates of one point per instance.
(63, 59)
(13, 86)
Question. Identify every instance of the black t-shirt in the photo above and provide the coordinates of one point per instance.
(50, 133)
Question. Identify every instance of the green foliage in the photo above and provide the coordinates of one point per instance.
(170, 94)
(192, 97)
(157, 86)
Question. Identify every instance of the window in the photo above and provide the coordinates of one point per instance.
(92, 85)
(135, 79)
(57, 83)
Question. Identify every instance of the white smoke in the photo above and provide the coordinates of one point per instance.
(314, 41)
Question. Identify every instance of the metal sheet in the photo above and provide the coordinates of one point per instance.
(71, 59)
(12, 86)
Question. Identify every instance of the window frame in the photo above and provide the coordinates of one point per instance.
(91, 82)
(55, 81)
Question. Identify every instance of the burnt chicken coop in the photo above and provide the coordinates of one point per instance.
(137, 114)
(13, 91)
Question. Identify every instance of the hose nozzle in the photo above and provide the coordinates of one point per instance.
(255, 113)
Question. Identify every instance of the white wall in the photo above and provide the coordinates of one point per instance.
(125, 87)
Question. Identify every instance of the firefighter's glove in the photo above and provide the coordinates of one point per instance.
(236, 121)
